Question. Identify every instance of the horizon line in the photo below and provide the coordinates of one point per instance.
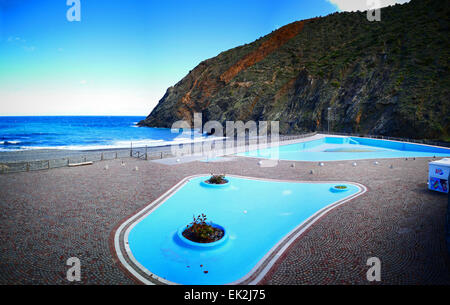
(68, 115)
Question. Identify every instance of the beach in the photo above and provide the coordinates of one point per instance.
(53, 154)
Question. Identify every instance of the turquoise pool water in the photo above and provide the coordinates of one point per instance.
(257, 214)
(347, 148)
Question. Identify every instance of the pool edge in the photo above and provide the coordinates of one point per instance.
(255, 275)
(319, 136)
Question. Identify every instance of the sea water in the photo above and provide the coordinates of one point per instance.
(84, 133)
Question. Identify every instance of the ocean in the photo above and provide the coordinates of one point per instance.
(84, 133)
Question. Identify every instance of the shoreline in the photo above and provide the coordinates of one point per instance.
(50, 154)
(28, 155)
(44, 154)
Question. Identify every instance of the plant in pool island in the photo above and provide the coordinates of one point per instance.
(202, 232)
(341, 187)
(217, 179)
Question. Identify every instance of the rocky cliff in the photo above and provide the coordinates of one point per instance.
(387, 78)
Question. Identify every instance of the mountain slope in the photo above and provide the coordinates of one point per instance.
(388, 77)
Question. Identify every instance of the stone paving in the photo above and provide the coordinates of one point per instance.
(51, 215)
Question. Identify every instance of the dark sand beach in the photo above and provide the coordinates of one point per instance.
(51, 154)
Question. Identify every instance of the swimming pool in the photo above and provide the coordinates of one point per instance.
(261, 218)
(347, 148)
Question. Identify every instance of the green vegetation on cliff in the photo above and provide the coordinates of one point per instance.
(388, 77)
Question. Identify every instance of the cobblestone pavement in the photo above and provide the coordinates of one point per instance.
(49, 216)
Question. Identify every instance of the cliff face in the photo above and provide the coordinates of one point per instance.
(388, 77)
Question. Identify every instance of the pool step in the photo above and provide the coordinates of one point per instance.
(351, 141)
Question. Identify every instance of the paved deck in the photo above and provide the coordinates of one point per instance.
(48, 216)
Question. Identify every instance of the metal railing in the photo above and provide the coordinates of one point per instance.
(27, 166)
(426, 142)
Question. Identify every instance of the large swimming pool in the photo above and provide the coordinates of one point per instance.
(347, 148)
(259, 216)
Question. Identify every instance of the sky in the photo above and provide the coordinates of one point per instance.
(121, 56)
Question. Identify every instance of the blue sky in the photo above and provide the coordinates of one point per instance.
(120, 58)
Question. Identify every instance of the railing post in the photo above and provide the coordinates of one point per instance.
(131, 150)
(101, 157)
(48, 164)
(28, 166)
(146, 156)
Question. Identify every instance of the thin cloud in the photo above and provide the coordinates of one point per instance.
(363, 5)
(16, 39)
(29, 49)
(20, 42)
